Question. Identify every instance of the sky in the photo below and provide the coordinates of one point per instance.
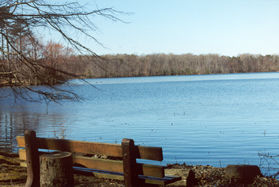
(224, 27)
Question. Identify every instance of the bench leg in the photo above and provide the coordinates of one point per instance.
(129, 163)
(32, 159)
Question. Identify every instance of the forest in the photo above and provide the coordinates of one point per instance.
(124, 65)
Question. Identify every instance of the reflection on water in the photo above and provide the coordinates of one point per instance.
(7, 133)
(15, 123)
(207, 119)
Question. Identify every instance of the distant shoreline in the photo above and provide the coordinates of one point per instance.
(115, 66)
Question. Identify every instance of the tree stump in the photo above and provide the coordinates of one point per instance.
(56, 170)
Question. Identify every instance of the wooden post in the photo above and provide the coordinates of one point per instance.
(191, 179)
(56, 170)
(129, 163)
(32, 159)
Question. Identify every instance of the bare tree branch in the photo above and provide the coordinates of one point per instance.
(22, 60)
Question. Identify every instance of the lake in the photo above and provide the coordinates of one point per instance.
(200, 119)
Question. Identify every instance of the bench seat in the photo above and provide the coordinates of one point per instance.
(119, 176)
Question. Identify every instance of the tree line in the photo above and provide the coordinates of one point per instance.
(63, 64)
(123, 65)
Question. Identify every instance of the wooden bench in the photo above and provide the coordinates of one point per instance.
(126, 165)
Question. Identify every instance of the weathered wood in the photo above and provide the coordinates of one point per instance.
(119, 176)
(159, 181)
(114, 150)
(56, 170)
(149, 153)
(22, 154)
(135, 174)
(191, 180)
(23, 164)
(117, 166)
(108, 165)
(129, 163)
(101, 164)
(32, 159)
(151, 170)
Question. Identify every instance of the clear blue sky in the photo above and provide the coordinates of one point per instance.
(225, 27)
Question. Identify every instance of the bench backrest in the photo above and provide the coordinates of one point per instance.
(107, 149)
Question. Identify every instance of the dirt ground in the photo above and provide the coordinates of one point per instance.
(11, 174)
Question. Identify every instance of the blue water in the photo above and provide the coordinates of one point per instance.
(202, 119)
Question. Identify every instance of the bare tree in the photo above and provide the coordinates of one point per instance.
(22, 62)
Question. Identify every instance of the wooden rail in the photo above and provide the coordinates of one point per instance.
(122, 159)
(113, 150)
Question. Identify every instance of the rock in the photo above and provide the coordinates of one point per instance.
(242, 173)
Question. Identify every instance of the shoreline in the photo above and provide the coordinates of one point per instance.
(6, 84)
(12, 174)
